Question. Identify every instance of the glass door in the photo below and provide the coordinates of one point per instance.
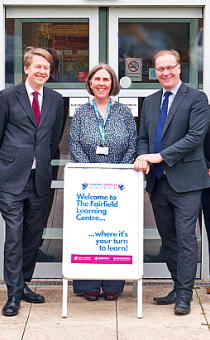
(71, 36)
(134, 36)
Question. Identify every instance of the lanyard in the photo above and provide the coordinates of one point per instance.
(101, 127)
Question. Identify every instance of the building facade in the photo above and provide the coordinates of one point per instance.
(125, 34)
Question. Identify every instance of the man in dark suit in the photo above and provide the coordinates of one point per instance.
(30, 126)
(170, 151)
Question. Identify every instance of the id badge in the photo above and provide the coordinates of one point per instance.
(102, 150)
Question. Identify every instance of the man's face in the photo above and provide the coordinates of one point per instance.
(168, 78)
(38, 72)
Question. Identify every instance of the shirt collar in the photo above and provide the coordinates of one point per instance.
(30, 90)
(175, 89)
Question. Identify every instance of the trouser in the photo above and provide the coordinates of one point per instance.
(25, 218)
(176, 215)
(85, 286)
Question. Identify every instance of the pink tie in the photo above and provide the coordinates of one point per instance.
(35, 107)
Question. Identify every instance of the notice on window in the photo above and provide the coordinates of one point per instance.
(74, 103)
(132, 103)
(82, 76)
(101, 222)
(133, 68)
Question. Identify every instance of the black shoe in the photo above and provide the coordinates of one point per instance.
(182, 306)
(160, 257)
(30, 296)
(167, 300)
(12, 306)
(43, 257)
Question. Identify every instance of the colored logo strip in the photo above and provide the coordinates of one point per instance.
(101, 259)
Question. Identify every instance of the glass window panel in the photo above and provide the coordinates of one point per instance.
(52, 236)
(139, 39)
(9, 52)
(62, 155)
(67, 41)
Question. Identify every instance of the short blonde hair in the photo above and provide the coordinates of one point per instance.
(171, 52)
(30, 51)
(115, 87)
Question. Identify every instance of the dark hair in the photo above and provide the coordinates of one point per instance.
(115, 87)
(171, 52)
(30, 51)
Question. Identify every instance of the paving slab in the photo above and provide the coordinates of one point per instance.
(204, 300)
(86, 320)
(12, 328)
(158, 322)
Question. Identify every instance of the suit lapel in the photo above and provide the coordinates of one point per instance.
(175, 105)
(25, 102)
(45, 104)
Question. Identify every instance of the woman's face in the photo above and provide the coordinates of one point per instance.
(101, 84)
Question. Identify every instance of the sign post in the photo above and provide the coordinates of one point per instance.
(103, 225)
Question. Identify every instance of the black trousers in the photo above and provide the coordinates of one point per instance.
(25, 218)
(176, 215)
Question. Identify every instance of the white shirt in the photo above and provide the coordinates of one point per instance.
(172, 96)
(30, 94)
(40, 99)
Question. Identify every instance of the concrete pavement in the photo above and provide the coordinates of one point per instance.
(104, 320)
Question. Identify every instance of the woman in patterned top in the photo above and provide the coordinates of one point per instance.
(102, 131)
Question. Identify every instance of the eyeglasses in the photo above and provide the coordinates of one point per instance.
(167, 68)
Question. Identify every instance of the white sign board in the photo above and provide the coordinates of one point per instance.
(132, 104)
(103, 222)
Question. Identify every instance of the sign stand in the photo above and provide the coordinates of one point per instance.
(103, 225)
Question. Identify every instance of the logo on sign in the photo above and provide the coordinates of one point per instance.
(133, 66)
(84, 186)
(103, 186)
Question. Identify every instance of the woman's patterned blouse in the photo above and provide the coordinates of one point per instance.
(120, 135)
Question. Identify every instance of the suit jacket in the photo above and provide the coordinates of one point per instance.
(21, 140)
(182, 141)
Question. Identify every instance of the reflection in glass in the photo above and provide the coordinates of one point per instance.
(139, 40)
(67, 41)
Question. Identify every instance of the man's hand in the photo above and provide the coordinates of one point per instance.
(141, 165)
(151, 158)
(143, 162)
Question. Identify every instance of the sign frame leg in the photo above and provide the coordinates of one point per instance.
(139, 299)
(65, 298)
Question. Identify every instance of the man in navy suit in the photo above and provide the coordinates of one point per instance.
(30, 125)
(174, 163)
